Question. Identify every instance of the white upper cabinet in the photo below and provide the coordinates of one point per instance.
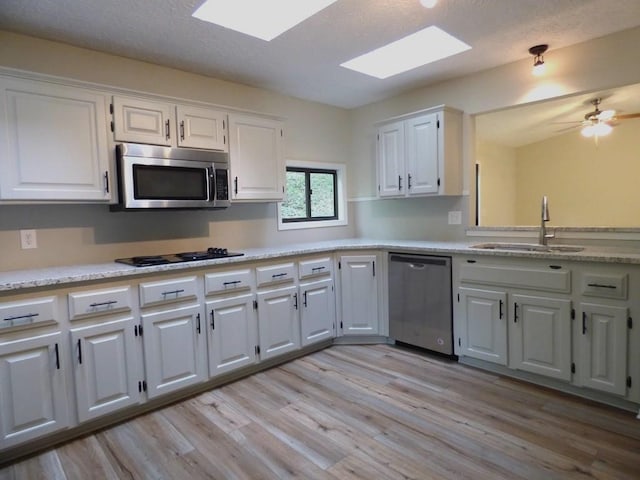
(140, 120)
(421, 154)
(53, 142)
(201, 128)
(256, 158)
(391, 159)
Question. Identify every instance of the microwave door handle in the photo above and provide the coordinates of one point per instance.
(212, 184)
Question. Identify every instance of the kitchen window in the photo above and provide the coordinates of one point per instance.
(314, 196)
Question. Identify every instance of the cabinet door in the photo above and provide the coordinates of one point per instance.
(278, 324)
(485, 324)
(233, 333)
(142, 121)
(201, 128)
(421, 154)
(540, 336)
(32, 389)
(359, 286)
(105, 367)
(53, 142)
(391, 160)
(255, 158)
(174, 349)
(603, 346)
(317, 312)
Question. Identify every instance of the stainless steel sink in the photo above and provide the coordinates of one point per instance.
(528, 247)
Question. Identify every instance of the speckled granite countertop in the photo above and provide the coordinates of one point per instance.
(11, 281)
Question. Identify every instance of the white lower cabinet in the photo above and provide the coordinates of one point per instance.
(278, 323)
(232, 333)
(33, 397)
(485, 324)
(106, 367)
(174, 349)
(603, 342)
(317, 313)
(359, 292)
(540, 335)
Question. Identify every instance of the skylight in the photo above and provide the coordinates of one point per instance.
(420, 48)
(259, 18)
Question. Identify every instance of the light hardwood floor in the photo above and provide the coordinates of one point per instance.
(359, 412)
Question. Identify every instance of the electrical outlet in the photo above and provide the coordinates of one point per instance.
(28, 239)
(455, 217)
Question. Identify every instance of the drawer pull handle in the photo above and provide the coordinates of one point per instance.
(235, 282)
(601, 285)
(173, 292)
(278, 275)
(103, 304)
(317, 269)
(18, 317)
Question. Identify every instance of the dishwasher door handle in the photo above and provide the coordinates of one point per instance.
(417, 266)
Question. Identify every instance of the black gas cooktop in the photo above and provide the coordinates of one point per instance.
(148, 260)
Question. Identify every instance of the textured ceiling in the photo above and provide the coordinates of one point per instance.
(304, 62)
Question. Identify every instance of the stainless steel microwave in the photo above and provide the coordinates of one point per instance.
(161, 177)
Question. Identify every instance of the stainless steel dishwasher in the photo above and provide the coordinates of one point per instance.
(420, 301)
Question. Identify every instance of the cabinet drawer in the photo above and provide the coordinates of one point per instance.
(234, 281)
(536, 278)
(99, 302)
(28, 312)
(283, 272)
(153, 293)
(606, 286)
(315, 267)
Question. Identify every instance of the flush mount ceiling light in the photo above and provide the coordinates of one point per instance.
(428, 3)
(259, 18)
(538, 62)
(418, 49)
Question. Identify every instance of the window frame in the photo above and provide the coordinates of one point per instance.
(309, 192)
(340, 204)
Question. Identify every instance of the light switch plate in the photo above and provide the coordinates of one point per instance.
(28, 239)
(455, 217)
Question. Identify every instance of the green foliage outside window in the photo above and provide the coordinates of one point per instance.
(311, 195)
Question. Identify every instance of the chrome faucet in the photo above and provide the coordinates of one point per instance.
(543, 236)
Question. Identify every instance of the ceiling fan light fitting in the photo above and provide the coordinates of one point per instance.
(428, 3)
(588, 131)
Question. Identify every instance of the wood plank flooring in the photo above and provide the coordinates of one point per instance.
(359, 412)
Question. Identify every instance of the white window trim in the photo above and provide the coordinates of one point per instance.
(341, 174)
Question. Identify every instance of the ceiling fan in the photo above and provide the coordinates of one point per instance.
(600, 122)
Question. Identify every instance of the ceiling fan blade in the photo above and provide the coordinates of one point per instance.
(566, 129)
(627, 116)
